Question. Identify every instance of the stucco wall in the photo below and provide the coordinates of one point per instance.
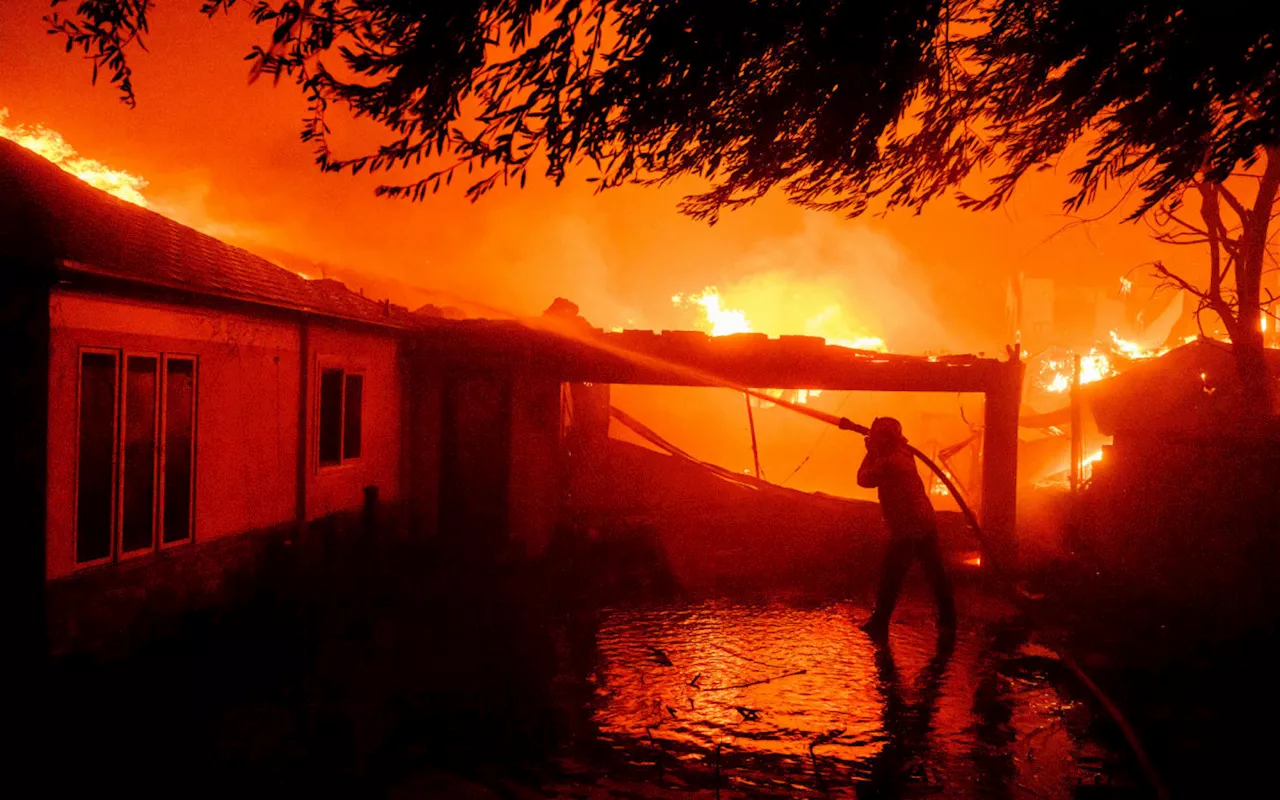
(249, 374)
(332, 489)
(536, 468)
(246, 417)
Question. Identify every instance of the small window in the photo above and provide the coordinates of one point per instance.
(341, 421)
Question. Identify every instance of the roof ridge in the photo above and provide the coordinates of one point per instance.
(83, 224)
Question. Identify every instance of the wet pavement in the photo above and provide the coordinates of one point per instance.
(370, 679)
(788, 699)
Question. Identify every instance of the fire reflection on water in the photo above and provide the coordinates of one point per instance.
(786, 701)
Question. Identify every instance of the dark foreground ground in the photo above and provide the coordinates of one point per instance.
(387, 673)
(1197, 679)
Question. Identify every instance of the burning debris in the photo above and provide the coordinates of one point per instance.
(1094, 366)
(718, 320)
(828, 324)
(1053, 374)
(1055, 371)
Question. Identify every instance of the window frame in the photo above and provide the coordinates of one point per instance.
(110, 557)
(121, 358)
(163, 454)
(343, 459)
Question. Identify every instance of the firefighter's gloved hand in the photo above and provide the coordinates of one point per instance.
(847, 424)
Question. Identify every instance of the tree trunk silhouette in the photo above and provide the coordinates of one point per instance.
(1255, 377)
(1251, 362)
(1236, 233)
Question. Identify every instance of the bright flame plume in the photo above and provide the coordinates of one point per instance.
(718, 320)
(50, 144)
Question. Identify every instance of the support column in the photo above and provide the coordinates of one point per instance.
(1000, 461)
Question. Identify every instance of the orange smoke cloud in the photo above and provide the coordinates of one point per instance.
(840, 281)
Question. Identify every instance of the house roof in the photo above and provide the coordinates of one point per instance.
(82, 230)
(1192, 390)
(85, 230)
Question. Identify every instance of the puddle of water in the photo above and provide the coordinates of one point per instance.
(785, 701)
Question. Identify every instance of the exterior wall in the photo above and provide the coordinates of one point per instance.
(420, 453)
(246, 410)
(332, 489)
(536, 487)
(475, 461)
(250, 396)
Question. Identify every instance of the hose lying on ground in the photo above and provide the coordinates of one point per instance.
(1015, 597)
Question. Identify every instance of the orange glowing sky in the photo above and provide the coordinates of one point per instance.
(224, 156)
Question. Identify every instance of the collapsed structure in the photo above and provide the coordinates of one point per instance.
(180, 402)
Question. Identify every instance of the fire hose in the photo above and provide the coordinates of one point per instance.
(1004, 580)
(846, 424)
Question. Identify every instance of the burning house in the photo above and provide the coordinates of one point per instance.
(1177, 417)
(194, 405)
(1188, 474)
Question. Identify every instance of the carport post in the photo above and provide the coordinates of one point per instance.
(1000, 459)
